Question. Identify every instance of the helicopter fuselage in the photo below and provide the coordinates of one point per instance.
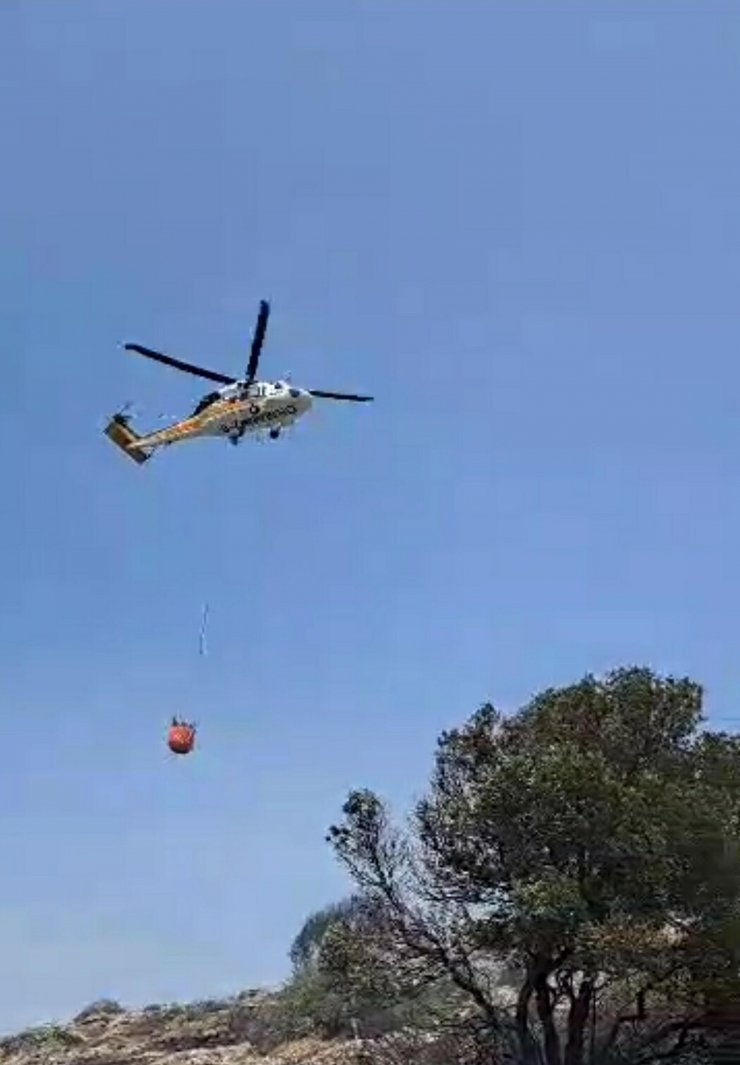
(262, 405)
(232, 412)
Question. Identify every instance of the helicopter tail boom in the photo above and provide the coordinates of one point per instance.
(120, 432)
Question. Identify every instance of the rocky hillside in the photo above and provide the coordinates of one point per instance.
(246, 1030)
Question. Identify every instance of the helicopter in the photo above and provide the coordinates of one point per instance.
(240, 406)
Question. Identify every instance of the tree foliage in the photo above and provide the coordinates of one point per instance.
(330, 988)
(306, 946)
(590, 843)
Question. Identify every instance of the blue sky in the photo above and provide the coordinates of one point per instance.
(517, 225)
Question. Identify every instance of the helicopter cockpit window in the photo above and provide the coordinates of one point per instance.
(205, 402)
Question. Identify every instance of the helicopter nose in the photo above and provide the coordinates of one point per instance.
(301, 398)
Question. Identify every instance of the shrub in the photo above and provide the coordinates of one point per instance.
(102, 1007)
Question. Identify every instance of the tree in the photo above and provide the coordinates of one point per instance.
(335, 1000)
(307, 944)
(591, 843)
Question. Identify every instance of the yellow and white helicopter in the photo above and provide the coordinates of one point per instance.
(241, 406)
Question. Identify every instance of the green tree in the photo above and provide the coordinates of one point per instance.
(333, 1000)
(304, 951)
(590, 843)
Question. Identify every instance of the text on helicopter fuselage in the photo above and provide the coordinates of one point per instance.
(266, 416)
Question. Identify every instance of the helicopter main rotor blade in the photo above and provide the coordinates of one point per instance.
(186, 367)
(340, 395)
(258, 341)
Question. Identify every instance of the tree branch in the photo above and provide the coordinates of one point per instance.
(682, 1028)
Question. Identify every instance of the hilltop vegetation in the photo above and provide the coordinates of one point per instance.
(567, 892)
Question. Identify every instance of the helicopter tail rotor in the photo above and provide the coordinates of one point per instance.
(123, 436)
